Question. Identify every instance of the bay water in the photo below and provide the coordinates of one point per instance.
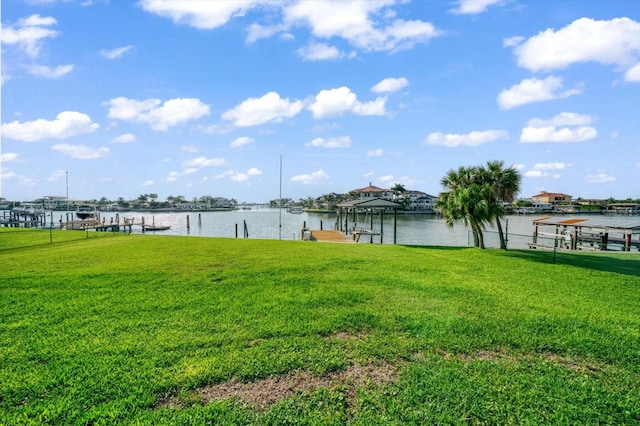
(267, 223)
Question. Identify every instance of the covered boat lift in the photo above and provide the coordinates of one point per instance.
(355, 207)
(604, 233)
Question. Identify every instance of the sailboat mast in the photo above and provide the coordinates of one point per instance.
(280, 204)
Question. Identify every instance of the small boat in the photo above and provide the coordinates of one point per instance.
(295, 210)
(148, 228)
(86, 211)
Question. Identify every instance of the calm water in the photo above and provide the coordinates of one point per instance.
(264, 223)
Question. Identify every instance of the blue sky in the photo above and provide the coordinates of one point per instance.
(202, 97)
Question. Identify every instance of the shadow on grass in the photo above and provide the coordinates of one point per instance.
(625, 263)
(622, 263)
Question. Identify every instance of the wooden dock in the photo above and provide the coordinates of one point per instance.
(330, 236)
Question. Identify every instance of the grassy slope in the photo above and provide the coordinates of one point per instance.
(101, 330)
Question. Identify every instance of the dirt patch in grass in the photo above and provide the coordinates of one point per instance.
(575, 364)
(268, 391)
(579, 365)
(484, 355)
(346, 336)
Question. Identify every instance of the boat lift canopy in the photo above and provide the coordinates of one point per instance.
(600, 230)
(368, 204)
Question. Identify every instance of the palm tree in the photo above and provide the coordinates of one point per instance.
(505, 185)
(468, 201)
(398, 189)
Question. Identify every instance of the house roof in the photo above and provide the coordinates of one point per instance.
(371, 188)
(550, 194)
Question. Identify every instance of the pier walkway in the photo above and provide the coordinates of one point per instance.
(330, 236)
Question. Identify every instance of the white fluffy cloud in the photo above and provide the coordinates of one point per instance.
(29, 33)
(116, 53)
(7, 157)
(334, 102)
(156, 114)
(66, 125)
(311, 178)
(368, 25)
(125, 138)
(468, 7)
(390, 85)
(189, 148)
(540, 169)
(550, 166)
(48, 72)
(452, 140)
(319, 52)
(202, 161)
(633, 74)
(80, 152)
(57, 175)
(534, 174)
(200, 14)
(339, 142)
(375, 152)
(534, 90)
(614, 42)
(241, 141)
(243, 177)
(268, 108)
(564, 127)
(599, 178)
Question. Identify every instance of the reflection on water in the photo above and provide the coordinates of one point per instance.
(411, 229)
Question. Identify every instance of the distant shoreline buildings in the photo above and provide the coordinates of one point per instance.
(412, 200)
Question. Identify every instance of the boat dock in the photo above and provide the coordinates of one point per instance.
(586, 234)
(326, 236)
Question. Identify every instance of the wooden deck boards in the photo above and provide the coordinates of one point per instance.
(330, 236)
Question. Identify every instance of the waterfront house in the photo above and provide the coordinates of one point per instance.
(420, 201)
(553, 198)
(373, 193)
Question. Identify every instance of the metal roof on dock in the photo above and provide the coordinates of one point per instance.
(375, 203)
(624, 224)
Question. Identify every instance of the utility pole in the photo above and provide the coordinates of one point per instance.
(66, 178)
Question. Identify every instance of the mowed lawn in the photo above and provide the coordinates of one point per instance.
(141, 329)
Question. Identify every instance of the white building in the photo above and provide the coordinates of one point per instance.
(420, 201)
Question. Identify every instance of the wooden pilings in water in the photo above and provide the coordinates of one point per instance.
(245, 231)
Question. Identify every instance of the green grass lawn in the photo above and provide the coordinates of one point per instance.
(140, 329)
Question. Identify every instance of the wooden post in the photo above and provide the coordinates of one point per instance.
(535, 234)
(346, 223)
(395, 224)
(627, 242)
(188, 224)
(321, 224)
(605, 241)
(381, 226)
(236, 230)
(371, 240)
(199, 219)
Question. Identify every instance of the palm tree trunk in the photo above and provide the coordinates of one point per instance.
(475, 232)
(503, 243)
(480, 239)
